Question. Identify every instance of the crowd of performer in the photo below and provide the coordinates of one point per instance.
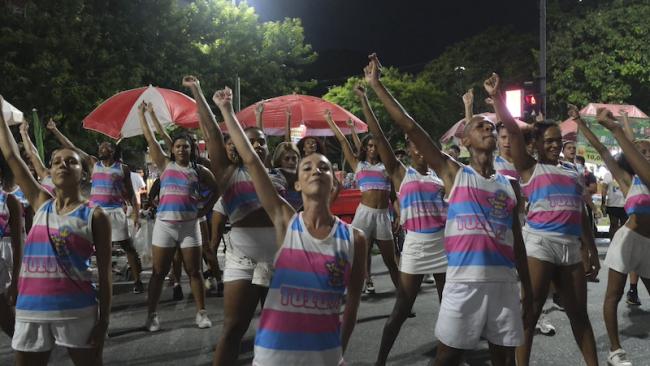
(498, 234)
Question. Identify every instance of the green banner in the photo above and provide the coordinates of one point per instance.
(38, 135)
(640, 128)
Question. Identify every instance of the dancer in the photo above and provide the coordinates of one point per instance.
(481, 297)
(628, 250)
(249, 257)
(423, 213)
(176, 219)
(60, 306)
(374, 183)
(11, 245)
(556, 227)
(319, 257)
(110, 185)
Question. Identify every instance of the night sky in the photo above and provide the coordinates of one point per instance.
(405, 33)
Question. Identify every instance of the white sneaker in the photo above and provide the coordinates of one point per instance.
(153, 323)
(618, 358)
(202, 320)
(544, 327)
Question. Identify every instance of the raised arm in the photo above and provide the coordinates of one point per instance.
(638, 162)
(259, 111)
(287, 131)
(350, 157)
(277, 208)
(393, 166)
(159, 128)
(355, 136)
(157, 155)
(468, 102)
(213, 137)
(622, 177)
(32, 152)
(626, 125)
(35, 194)
(444, 166)
(63, 140)
(524, 163)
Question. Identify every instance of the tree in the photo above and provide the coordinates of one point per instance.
(601, 57)
(66, 57)
(423, 100)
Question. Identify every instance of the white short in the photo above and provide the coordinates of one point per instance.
(374, 222)
(469, 311)
(628, 252)
(41, 337)
(423, 253)
(551, 249)
(119, 224)
(250, 253)
(167, 234)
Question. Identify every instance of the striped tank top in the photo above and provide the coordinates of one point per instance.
(371, 176)
(478, 236)
(179, 193)
(57, 285)
(554, 201)
(504, 167)
(637, 201)
(48, 184)
(300, 322)
(240, 198)
(421, 200)
(107, 189)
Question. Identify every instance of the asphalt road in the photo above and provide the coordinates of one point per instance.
(181, 343)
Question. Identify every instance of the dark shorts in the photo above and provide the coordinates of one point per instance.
(617, 212)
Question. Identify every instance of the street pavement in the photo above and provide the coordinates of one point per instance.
(180, 342)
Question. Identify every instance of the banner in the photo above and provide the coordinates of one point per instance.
(640, 128)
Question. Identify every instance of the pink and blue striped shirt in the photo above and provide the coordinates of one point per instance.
(48, 184)
(107, 189)
(371, 177)
(478, 236)
(422, 205)
(240, 198)
(554, 201)
(637, 201)
(504, 167)
(57, 285)
(300, 322)
(179, 193)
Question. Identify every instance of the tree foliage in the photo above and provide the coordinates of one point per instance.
(65, 57)
(601, 57)
(423, 101)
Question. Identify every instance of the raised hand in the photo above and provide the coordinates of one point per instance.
(573, 112)
(623, 113)
(24, 127)
(259, 108)
(349, 123)
(190, 81)
(489, 101)
(606, 118)
(468, 98)
(372, 72)
(149, 107)
(328, 116)
(540, 117)
(142, 107)
(492, 85)
(359, 89)
(51, 125)
(287, 112)
(223, 98)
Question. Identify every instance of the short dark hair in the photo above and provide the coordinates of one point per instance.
(400, 152)
(540, 127)
(454, 147)
(581, 159)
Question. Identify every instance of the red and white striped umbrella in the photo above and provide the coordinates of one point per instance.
(117, 117)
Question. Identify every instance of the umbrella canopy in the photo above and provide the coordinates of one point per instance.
(456, 131)
(570, 128)
(305, 110)
(11, 114)
(117, 117)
